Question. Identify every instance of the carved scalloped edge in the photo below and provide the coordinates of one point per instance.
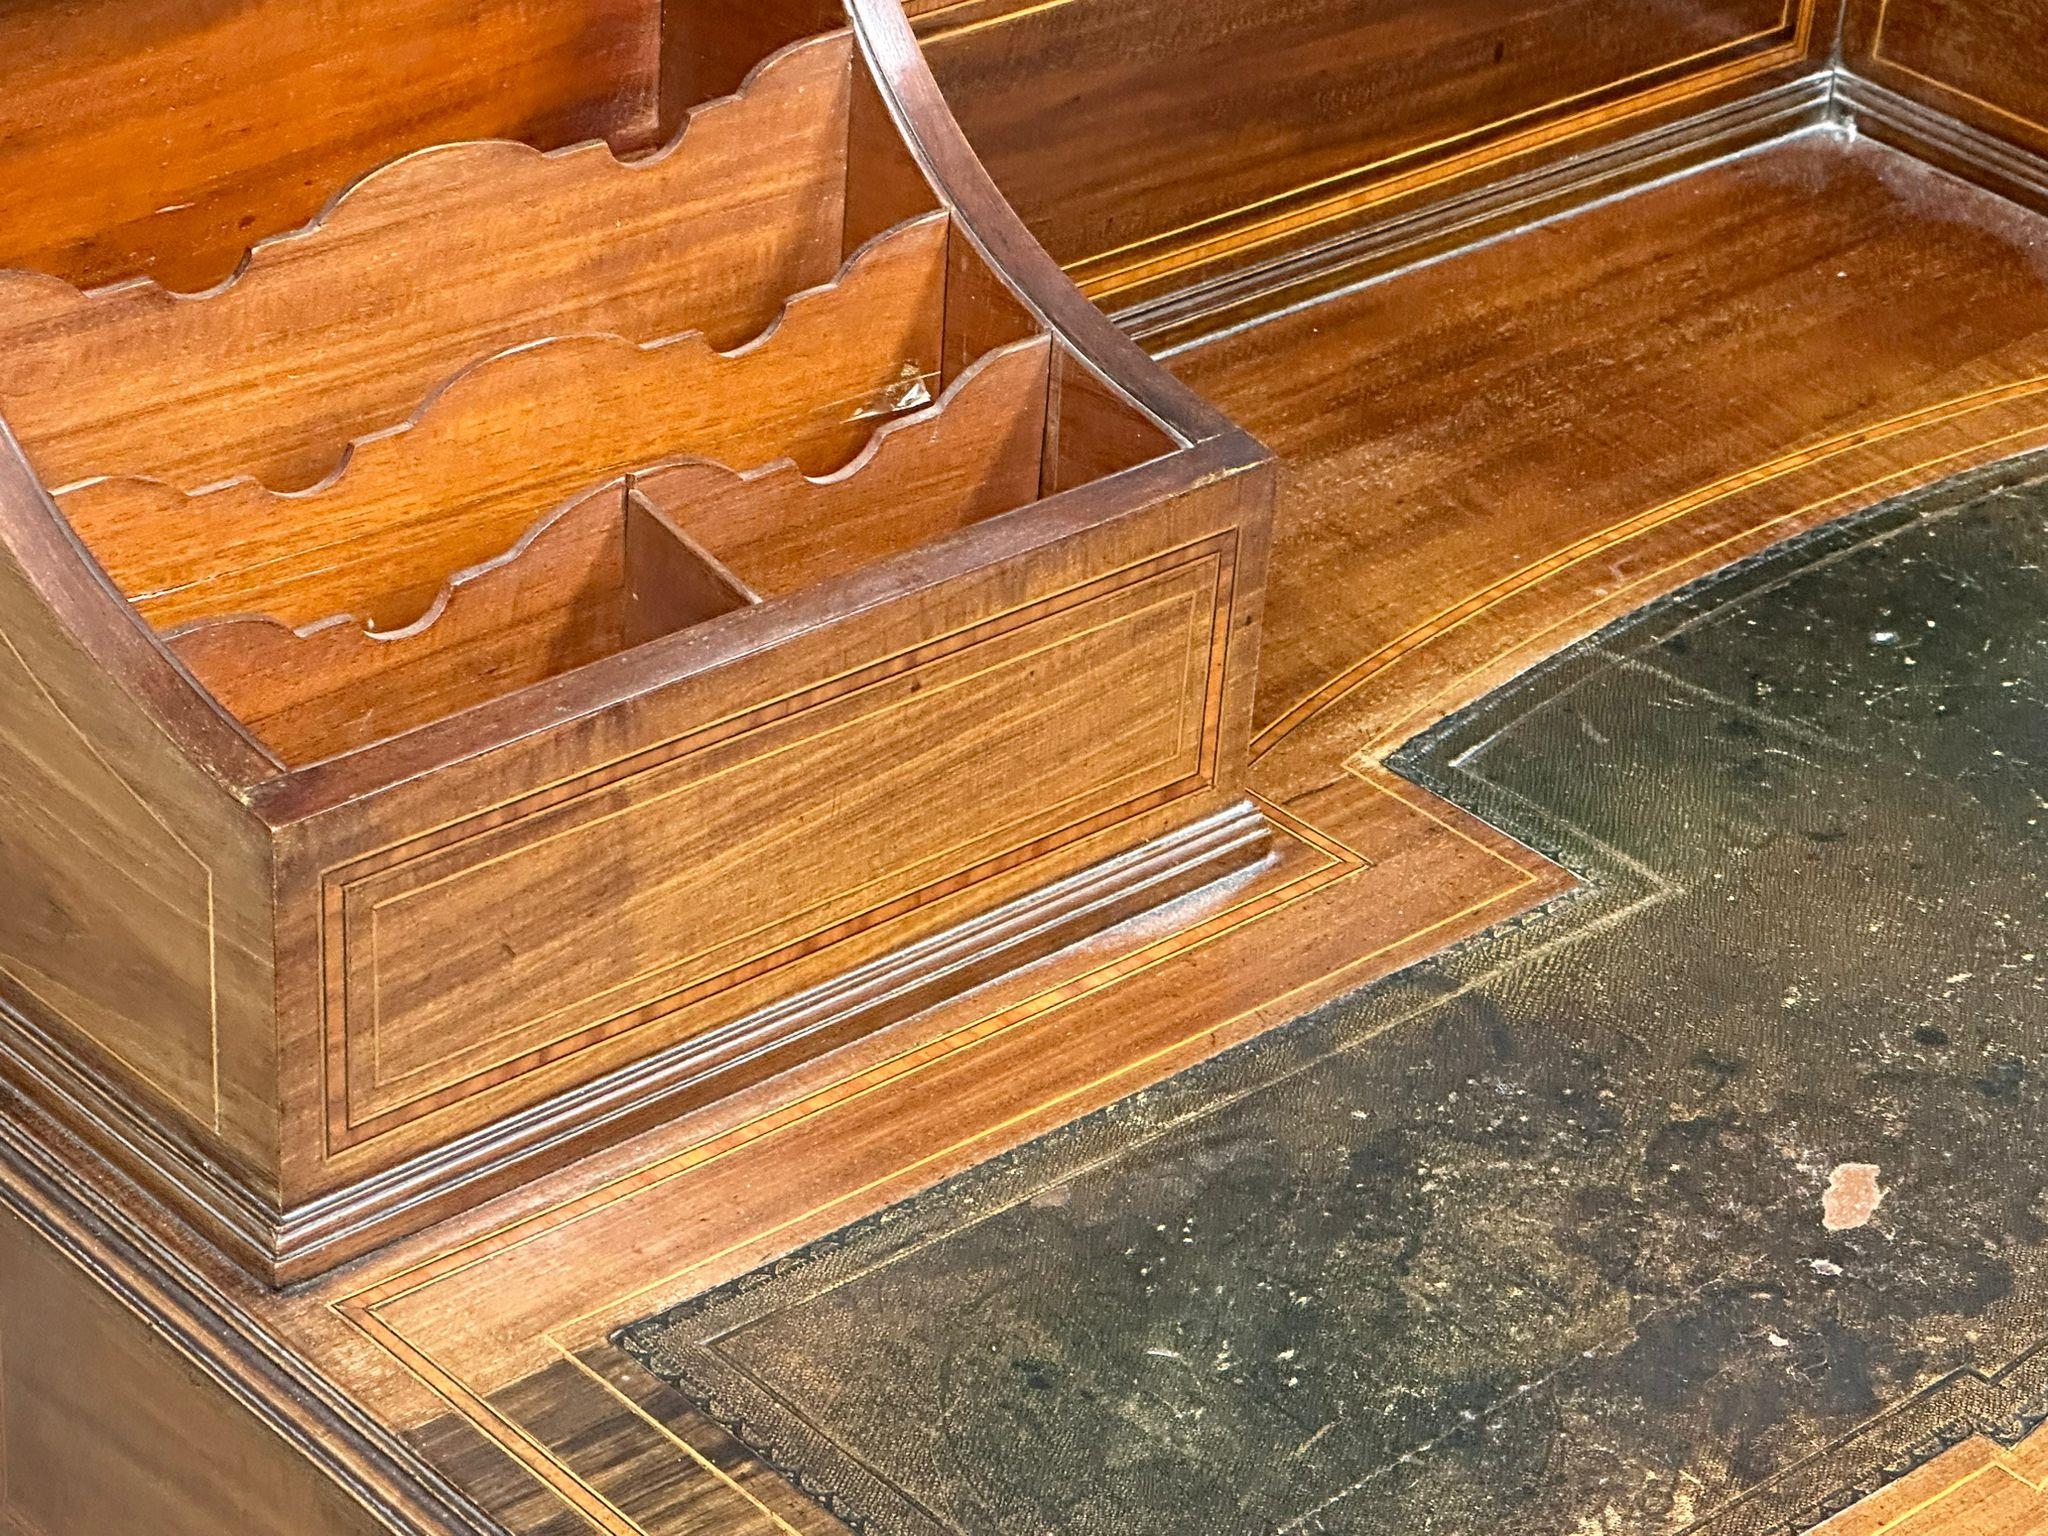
(443, 404)
(29, 291)
(452, 590)
(891, 431)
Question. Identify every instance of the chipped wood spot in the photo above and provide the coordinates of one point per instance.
(1853, 1197)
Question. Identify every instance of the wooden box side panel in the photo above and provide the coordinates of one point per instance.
(1184, 136)
(162, 138)
(459, 954)
(105, 1427)
(1984, 62)
(587, 909)
(135, 919)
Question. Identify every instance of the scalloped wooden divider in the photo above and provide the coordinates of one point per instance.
(205, 127)
(523, 431)
(596, 577)
(586, 581)
(450, 253)
(979, 453)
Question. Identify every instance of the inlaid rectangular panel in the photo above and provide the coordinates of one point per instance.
(1985, 61)
(614, 904)
(1178, 123)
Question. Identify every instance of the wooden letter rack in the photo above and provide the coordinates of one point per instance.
(507, 639)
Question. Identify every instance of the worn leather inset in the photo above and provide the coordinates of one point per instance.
(1538, 1237)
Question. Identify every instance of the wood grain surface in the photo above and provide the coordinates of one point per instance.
(178, 1457)
(1313, 116)
(1446, 415)
(484, 1340)
(1977, 1488)
(134, 920)
(605, 573)
(425, 265)
(164, 138)
(516, 434)
(615, 723)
